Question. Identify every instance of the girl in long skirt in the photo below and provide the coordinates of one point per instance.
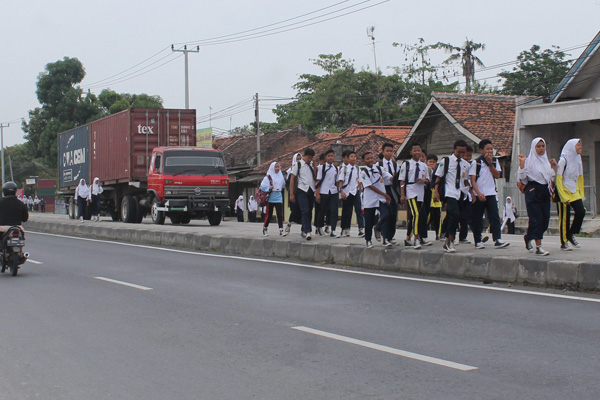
(273, 182)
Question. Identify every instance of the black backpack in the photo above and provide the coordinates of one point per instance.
(442, 183)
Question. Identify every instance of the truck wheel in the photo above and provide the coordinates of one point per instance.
(139, 211)
(175, 219)
(72, 208)
(128, 209)
(158, 217)
(214, 218)
(186, 219)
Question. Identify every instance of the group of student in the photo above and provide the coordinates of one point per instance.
(33, 204)
(88, 196)
(465, 186)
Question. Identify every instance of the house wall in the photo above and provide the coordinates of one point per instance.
(593, 92)
(441, 139)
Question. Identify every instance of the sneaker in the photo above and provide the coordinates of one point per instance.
(528, 245)
(320, 232)
(479, 245)
(287, 229)
(361, 233)
(308, 237)
(574, 242)
(369, 245)
(500, 244)
(303, 235)
(393, 241)
(347, 233)
(449, 247)
(407, 243)
(416, 244)
(265, 232)
(377, 233)
(281, 232)
(541, 252)
(464, 241)
(334, 235)
(386, 243)
(425, 242)
(565, 247)
(485, 239)
(327, 229)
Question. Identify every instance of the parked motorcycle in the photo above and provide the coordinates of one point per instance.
(11, 250)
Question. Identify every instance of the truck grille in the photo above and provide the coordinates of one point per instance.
(196, 191)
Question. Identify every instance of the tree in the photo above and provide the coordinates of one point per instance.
(113, 102)
(467, 58)
(536, 73)
(342, 97)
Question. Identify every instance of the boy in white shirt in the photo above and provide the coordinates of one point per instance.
(327, 194)
(413, 177)
(350, 195)
(375, 198)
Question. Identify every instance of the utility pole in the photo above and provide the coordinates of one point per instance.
(185, 51)
(2, 126)
(370, 34)
(258, 157)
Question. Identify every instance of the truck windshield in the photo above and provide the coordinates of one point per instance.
(194, 162)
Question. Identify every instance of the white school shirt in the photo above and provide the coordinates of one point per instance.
(349, 178)
(486, 181)
(306, 180)
(327, 173)
(415, 189)
(372, 177)
(451, 190)
(391, 167)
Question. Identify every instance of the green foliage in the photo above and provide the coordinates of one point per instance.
(23, 166)
(537, 73)
(113, 102)
(266, 127)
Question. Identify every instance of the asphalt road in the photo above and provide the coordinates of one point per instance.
(202, 327)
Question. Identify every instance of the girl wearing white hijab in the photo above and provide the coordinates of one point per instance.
(536, 172)
(273, 182)
(252, 207)
(94, 199)
(295, 214)
(82, 194)
(570, 192)
(239, 208)
(509, 216)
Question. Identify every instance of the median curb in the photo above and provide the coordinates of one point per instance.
(544, 272)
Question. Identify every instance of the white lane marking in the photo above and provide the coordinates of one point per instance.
(33, 261)
(133, 285)
(331, 269)
(386, 349)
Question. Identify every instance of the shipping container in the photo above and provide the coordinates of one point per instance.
(121, 144)
(73, 157)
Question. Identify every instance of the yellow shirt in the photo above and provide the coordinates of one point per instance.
(565, 194)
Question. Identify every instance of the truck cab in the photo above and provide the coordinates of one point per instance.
(187, 183)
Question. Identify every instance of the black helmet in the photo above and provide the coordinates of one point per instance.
(9, 189)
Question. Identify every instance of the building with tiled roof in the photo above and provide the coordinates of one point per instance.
(471, 117)
(395, 133)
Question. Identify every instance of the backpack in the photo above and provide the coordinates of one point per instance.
(262, 198)
(442, 183)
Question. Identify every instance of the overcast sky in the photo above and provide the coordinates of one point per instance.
(112, 36)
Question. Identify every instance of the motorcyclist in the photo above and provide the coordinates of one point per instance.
(12, 210)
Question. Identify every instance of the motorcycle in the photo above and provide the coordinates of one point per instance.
(11, 250)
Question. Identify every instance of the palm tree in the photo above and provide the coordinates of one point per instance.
(467, 59)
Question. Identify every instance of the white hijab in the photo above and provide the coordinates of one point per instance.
(574, 167)
(294, 162)
(239, 203)
(82, 190)
(252, 204)
(95, 188)
(278, 179)
(537, 168)
(509, 211)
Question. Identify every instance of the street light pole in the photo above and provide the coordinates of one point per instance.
(2, 126)
(185, 52)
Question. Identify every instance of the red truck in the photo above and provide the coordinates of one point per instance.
(148, 163)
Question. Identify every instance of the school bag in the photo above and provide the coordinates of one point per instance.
(442, 183)
(262, 198)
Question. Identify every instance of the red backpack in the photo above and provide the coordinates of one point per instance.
(262, 198)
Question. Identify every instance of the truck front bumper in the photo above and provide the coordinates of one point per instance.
(195, 204)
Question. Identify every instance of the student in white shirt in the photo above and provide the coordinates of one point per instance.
(413, 177)
(389, 164)
(484, 172)
(350, 195)
(252, 207)
(454, 181)
(327, 194)
(82, 192)
(94, 198)
(302, 178)
(375, 198)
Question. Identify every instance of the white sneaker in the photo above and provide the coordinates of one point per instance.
(369, 245)
(416, 244)
(480, 245)
(327, 229)
(334, 235)
(308, 236)
(287, 229)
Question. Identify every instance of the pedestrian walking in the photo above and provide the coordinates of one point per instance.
(302, 190)
(484, 172)
(537, 172)
(274, 183)
(570, 193)
(389, 164)
(95, 202)
(452, 173)
(413, 177)
(466, 213)
(375, 198)
(43, 205)
(82, 194)
(295, 215)
(252, 208)
(239, 208)
(350, 195)
(509, 215)
(435, 211)
(327, 194)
